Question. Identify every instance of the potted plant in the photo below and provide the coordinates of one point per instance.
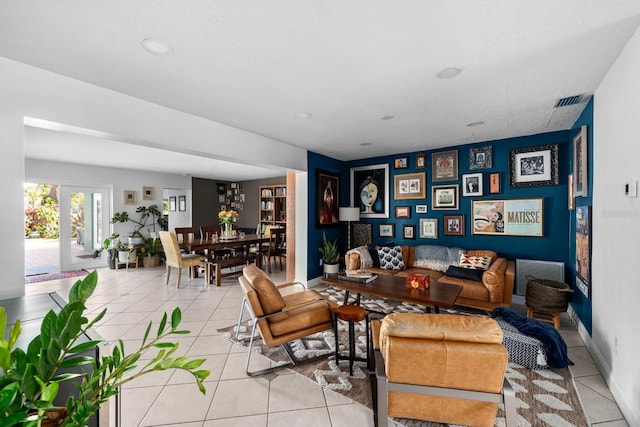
(112, 245)
(152, 252)
(152, 212)
(330, 255)
(29, 381)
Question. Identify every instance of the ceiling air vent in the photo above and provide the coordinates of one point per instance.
(569, 100)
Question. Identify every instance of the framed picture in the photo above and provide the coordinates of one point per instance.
(222, 189)
(428, 228)
(494, 183)
(421, 161)
(129, 197)
(444, 197)
(361, 234)
(370, 190)
(409, 231)
(409, 186)
(444, 166)
(403, 212)
(508, 217)
(472, 184)
(385, 230)
(580, 164)
(481, 158)
(172, 203)
(401, 163)
(147, 193)
(420, 209)
(583, 250)
(453, 225)
(182, 203)
(327, 198)
(533, 166)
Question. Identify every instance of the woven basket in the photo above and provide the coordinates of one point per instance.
(547, 295)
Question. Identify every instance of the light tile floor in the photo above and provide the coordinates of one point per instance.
(285, 399)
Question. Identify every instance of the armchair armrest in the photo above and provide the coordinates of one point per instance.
(494, 280)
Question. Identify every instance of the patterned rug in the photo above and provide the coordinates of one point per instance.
(54, 276)
(543, 397)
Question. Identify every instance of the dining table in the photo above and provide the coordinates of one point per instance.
(245, 242)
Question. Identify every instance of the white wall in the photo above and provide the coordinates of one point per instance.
(27, 91)
(616, 231)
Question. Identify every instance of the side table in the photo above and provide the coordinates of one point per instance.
(351, 314)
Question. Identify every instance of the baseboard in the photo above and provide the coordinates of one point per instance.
(628, 410)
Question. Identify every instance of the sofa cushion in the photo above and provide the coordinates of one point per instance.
(475, 262)
(464, 273)
(436, 257)
(391, 258)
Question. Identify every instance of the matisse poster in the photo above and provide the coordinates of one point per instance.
(583, 249)
(508, 217)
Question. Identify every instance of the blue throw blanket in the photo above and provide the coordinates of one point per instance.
(553, 343)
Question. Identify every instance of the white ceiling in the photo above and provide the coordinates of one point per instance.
(254, 65)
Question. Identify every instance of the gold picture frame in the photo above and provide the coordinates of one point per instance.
(130, 197)
(409, 186)
(147, 193)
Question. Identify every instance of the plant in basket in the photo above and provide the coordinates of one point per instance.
(152, 252)
(418, 281)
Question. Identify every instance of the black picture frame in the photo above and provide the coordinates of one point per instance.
(481, 158)
(364, 179)
(327, 198)
(172, 203)
(409, 231)
(182, 203)
(533, 166)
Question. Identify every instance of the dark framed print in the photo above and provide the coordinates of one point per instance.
(401, 163)
(428, 228)
(472, 184)
(182, 203)
(327, 198)
(453, 225)
(421, 161)
(580, 164)
(444, 197)
(385, 230)
(172, 203)
(403, 211)
(409, 186)
(444, 166)
(508, 217)
(361, 234)
(481, 158)
(533, 166)
(420, 209)
(130, 197)
(409, 231)
(370, 190)
(494, 183)
(147, 193)
(583, 250)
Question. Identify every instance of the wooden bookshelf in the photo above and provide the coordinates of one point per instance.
(273, 205)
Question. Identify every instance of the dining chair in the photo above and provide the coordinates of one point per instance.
(177, 259)
(277, 247)
(208, 232)
(184, 234)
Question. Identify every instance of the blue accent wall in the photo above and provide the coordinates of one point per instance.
(553, 246)
(580, 303)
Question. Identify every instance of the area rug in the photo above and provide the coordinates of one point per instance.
(54, 276)
(543, 397)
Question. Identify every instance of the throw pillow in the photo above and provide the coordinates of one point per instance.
(475, 262)
(391, 258)
(373, 251)
(270, 298)
(464, 273)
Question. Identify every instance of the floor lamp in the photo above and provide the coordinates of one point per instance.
(349, 214)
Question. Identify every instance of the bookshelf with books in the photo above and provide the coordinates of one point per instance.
(273, 206)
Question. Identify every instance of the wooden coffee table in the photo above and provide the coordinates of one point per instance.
(394, 288)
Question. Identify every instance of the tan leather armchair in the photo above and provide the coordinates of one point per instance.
(440, 367)
(279, 318)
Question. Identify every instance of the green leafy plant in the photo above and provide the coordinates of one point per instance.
(30, 380)
(151, 248)
(329, 250)
(146, 213)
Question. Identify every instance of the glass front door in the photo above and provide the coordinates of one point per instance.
(84, 224)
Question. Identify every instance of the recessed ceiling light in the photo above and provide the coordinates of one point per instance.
(365, 144)
(303, 115)
(157, 46)
(474, 124)
(387, 117)
(449, 72)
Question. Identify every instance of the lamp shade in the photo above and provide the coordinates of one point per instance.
(349, 214)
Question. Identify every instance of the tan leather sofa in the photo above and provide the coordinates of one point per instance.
(440, 367)
(495, 290)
